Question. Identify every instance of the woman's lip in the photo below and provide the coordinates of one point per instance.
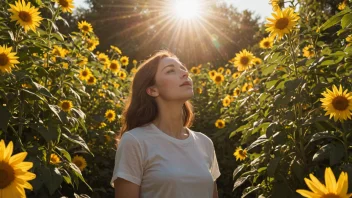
(186, 85)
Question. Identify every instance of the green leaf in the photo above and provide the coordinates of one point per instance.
(55, 109)
(241, 128)
(333, 20)
(78, 140)
(64, 152)
(250, 190)
(238, 170)
(337, 153)
(323, 153)
(52, 178)
(261, 140)
(272, 166)
(78, 173)
(239, 182)
(346, 20)
(5, 116)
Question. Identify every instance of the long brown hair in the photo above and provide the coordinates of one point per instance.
(141, 108)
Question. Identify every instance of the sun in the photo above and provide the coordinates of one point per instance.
(186, 9)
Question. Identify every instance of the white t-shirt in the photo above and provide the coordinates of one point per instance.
(167, 167)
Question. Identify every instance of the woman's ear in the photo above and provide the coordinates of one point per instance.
(152, 91)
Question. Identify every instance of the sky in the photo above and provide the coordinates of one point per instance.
(261, 7)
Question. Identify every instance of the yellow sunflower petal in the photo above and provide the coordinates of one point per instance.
(19, 157)
(330, 180)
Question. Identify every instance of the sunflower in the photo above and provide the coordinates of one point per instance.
(220, 123)
(102, 125)
(195, 70)
(103, 58)
(122, 75)
(282, 23)
(342, 5)
(331, 189)
(110, 115)
(243, 60)
(114, 66)
(84, 74)
(7, 59)
(228, 72)
(66, 105)
(308, 51)
(236, 75)
(134, 62)
(226, 101)
(124, 60)
(275, 4)
(80, 162)
(54, 159)
(240, 154)
(66, 5)
(91, 80)
(199, 90)
(92, 43)
(349, 39)
(212, 73)
(85, 27)
(236, 92)
(25, 15)
(14, 172)
(256, 81)
(218, 78)
(58, 51)
(116, 49)
(337, 103)
(81, 60)
(221, 69)
(116, 85)
(257, 61)
(266, 43)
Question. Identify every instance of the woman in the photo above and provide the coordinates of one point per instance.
(158, 156)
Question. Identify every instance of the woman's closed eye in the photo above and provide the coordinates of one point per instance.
(172, 70)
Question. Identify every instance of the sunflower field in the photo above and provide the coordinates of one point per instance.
(279, 113)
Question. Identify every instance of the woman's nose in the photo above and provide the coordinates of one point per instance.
(184, 73)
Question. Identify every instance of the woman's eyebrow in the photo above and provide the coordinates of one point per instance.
(171, 65)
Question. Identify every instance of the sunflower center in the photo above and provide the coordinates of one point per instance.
(102, 59)
(78, 163)
(218, 79)
(91, 80)
(63, 3)
(244, 60)
(281, 23)
(237, 92)
(340, 103)
(7, 175)
(25, 16)
(85, 28)
(220, 124)
(4, 60)
(113, 66)
(266, 44)
(66, 105)
(84, 73)
(110, 115)
(330, 195)
(242, 153)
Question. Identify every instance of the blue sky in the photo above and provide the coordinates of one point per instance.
(260, 7)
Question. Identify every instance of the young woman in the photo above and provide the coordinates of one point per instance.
(157, 155)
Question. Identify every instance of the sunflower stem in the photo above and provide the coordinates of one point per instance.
(345, 142)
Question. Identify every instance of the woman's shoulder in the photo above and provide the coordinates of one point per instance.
(202, 137)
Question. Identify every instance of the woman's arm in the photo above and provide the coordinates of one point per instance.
(125, 189)
(215, 192)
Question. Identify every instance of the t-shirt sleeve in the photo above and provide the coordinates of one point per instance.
(214, 169)
(128, 160)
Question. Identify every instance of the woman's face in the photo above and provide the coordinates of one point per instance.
(170, 76)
